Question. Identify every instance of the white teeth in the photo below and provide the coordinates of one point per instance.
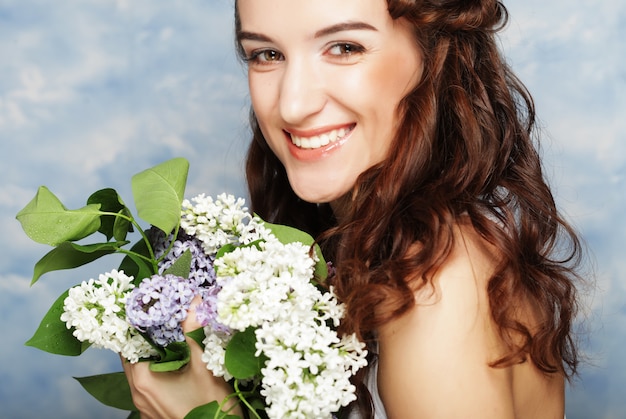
(322, 140)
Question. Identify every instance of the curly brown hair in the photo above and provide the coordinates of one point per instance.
(466, 147)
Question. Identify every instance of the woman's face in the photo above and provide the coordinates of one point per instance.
(326, 78)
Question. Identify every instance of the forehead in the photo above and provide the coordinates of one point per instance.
(295, 18)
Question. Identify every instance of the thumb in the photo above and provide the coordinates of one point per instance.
(191, 323)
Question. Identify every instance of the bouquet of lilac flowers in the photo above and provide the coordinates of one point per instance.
(268, 326)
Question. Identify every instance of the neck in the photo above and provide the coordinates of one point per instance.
(341, 207)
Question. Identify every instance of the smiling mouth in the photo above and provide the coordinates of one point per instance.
(318, 141)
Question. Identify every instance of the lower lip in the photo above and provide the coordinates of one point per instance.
(312, 154)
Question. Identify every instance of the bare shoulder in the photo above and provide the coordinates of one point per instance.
(434, 360)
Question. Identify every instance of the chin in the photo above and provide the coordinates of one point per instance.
(315, 198)
(316, 188)
(318, 196)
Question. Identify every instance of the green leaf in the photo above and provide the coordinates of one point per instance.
(135, 266)
(286, 234)
(69, 255)
(110, 389)
(239, 359)
(227, 248)
(197, 335)
(45, 219)
(210, 410)
(134, 415)
(177, 355)
(53, 336)
(181, 266)
(122, 226)
(159, 193)
(112, 226)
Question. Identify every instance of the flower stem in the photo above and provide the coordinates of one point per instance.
(241, 396)
(151, 257)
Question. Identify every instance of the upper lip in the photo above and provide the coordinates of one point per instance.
(317, 131)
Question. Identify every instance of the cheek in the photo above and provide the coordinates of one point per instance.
(385, 88)
(394, 85)
(265, 116)
(261, 97)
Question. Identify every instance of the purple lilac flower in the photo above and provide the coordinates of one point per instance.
(201, 270)
(206, 311)
(158, 306)
(159, 241)
(332, 271)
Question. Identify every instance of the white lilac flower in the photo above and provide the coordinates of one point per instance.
(159, 305)
(329, 308)
(264, 283)
(222, 221)
(308, 368)
(322, 385)
(256, 287)
(95, 309)
(215, 343)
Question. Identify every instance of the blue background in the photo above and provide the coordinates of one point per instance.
(92, 92)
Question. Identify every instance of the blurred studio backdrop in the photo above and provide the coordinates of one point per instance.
(94, 91)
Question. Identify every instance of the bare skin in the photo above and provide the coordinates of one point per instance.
(434, 360)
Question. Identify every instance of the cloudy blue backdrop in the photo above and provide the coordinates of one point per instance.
(93, 91)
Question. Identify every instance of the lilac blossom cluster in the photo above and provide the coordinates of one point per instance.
(201, 280)
(260, 283)
(221, 221)
(95, 309)
(201, 271)
(159, 305)
(308, 368)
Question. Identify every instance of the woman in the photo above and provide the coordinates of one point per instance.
(394, 131)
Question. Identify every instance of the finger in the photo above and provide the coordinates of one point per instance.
(191, 322)
(139, 399)
(136, 373)
(189, 325)
(127, 370)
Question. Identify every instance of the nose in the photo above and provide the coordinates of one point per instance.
(301, 92)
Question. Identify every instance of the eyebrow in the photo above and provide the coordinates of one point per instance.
(344, 26)
(339, 27)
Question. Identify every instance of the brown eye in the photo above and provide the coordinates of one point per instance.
(264, 56)
(345, 48)
(270, 55)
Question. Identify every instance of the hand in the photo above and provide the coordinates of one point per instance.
(165, 395)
